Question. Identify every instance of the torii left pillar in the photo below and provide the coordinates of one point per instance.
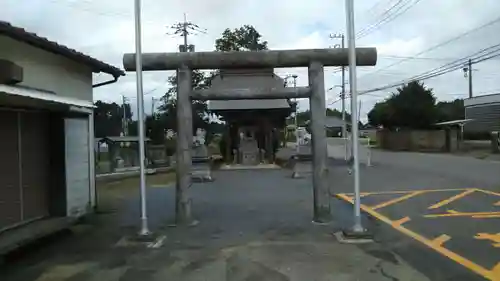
(184, 141)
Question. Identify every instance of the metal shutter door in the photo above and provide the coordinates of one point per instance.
(35, 163)
(10, 191)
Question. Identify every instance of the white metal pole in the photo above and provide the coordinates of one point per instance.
(349, 6)
(359, 111)
(295, 121)
(140, 119)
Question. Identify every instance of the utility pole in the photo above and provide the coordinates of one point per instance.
(294, 76)
(342, 94)
(124, 116)
(468, 72)
(184, 29)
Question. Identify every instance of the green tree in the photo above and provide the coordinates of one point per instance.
(240, 39)
(245, 38)
(168, 103)
(413, 106)
(155, 129)
(452, 110)
(304, 116)
(108, 118)
(336, 113)
(379, 115)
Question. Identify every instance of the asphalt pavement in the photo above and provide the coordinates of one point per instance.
(433, 216)
(253, 225)
(439, 212)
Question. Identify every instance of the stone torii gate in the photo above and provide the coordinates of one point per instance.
(314, 59)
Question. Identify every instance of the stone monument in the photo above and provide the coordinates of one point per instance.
(200, 168)
(302, 160)
(248, 150)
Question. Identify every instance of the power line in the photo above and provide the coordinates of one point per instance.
(451, 40)
(459, 62)
(150, 91)
(183, 29)
(388, 11)
(375, 6)
(445, 71)
(186, 28)
(399, 10)
(415, 58)
(76, 5)
(446, 68)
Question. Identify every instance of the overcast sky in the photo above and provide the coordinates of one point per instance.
(104, 29)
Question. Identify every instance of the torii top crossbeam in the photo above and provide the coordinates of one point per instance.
(250, 59)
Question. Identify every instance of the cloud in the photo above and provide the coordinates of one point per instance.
(105, 30)
(399, 47)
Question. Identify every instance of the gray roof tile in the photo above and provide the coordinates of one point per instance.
(43, 43)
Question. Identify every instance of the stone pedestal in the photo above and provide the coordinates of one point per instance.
(201, 170)
(249, 152)
(302, 162)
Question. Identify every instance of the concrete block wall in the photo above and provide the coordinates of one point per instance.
(416, 140)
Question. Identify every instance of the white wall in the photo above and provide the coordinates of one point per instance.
(47, 71)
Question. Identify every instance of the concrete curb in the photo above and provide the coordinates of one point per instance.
(106, 178)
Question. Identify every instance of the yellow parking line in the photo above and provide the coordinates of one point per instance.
(407, 191)
(489, 274)
(396, 200)
(440, 240)
(401, 221)
(451, 199)
(495, 272)
(488, 192)
(452, 213)
(486, 216)
(494, 238)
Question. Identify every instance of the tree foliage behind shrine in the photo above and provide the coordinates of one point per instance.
(239, 39)
(245, 38)
(109, 116)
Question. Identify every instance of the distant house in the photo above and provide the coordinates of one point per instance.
(336, 122)
(46, 127)
(123, 149)
(333, 125)
(485, 114)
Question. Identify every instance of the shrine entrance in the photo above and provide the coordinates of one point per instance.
(251, 124)
(314, 59)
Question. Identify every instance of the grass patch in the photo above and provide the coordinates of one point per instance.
(134, 182)
(110, 194)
